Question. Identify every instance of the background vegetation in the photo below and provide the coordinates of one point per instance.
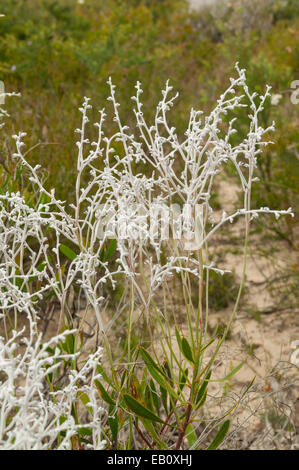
(56, 52)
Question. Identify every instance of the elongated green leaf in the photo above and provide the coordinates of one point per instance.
(113, 422)
(183, 379)
(220, 436)
(69, 344)
(155, 396)
(139, 409)
(70, 254)
(157, 373)
(103, 374)
(149, 361)
(123, 377)
(110, 249)
(105, 395)
(148, 398)
(186, 350)
(228, 376)
(151, 430)
(238, 401)
(84, 431)
(202, 390)
(144, 380)
(191, 435)
(164, 398)
(207, 345)
(179, 340)
(85, 400)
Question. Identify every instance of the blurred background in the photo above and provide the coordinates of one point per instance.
(56, 52)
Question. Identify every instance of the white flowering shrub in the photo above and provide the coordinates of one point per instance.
(33, 416)
(114, 203)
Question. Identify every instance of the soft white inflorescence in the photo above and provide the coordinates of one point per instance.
(31, 416)
(177, 170)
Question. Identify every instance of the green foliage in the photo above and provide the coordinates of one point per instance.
(67, 252)
(162, 400)
(56, 52)
(266, 63)
(220, 435)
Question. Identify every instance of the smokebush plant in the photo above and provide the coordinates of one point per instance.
(154, 384)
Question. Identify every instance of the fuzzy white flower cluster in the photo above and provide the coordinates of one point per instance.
(110, 185)
(21, 259)
(32, 416)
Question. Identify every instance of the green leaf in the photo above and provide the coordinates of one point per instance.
(70, 254)
(155, 371)
(85, 400)
(113, 422)
(139, 409)
(123, 377)
(110, 250)
(183, 379)
(104, 395)
(155, 374)
(144, 380)
(202, 390)
(151, 430)
(69, 344)
(206, 346)
(100, 369)
(84, 431)
(149, 361)
(155, 396)
(228, 376)
(186, 350)
(148, 398)
(191, 435)
(164, 398)
(39, 268)
(179, 340)
(220, 436)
